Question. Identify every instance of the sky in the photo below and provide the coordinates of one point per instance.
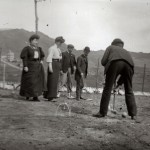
(93, 23)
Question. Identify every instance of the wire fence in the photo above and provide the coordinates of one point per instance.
(141, 78)
(11, 76)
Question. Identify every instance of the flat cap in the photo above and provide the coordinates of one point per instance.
(70, 46)
(116, 41)
(60, 39)
(87, 49)
(34, 36)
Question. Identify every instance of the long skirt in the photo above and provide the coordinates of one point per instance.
(33, 81)
(52, 80)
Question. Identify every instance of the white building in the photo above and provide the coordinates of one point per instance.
(10, 56)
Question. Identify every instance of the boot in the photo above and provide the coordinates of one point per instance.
(27, 98)
(36, 99)
(70, 96)
(81, 94)
(78, 95)
(98, 115)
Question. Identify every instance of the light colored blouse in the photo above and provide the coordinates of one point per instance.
(54, 53)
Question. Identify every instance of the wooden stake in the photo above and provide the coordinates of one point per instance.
(143, 77)
(4, 75)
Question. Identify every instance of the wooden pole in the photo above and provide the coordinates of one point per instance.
(4, 75)
(143, 77)
(0, 55)
(36, 17)
(97, 75)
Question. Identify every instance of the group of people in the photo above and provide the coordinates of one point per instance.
(62, 65)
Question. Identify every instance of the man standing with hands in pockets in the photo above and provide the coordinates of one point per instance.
(68, 64)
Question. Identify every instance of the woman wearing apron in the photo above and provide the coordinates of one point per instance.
(54, 67)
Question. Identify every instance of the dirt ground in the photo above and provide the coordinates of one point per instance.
(69, 125)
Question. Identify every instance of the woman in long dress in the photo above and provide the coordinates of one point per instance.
(54, 67)
(32, 80)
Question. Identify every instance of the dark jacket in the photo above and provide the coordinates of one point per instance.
(82, 66)
(68, 61)
(27, 55)
(113, 53)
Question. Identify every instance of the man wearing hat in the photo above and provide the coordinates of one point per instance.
(81, 72)
(117, 61)
(68, 67)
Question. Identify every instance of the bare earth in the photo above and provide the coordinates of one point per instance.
(43, 125)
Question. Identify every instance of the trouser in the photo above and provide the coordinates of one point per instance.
(79, 87)
(65, 80)
(126, 72)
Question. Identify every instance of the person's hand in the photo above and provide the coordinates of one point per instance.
(50, 68)
(82, 75)
(74, 68)
(116, 88)
(61, 72)
(69, 70)
(41, 62)
(26, 69)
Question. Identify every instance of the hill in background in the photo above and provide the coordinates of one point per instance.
(16, 39)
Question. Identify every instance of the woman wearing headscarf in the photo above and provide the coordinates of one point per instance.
(54, 67)
(33, 80)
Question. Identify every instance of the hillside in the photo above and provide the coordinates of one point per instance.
(16, 39)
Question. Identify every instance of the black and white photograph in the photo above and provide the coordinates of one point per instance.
(74, 74)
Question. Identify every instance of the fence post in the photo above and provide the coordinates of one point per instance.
(4, 75)
(97, 75)
(143, 77)
(0, 55)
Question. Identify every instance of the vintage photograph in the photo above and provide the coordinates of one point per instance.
(74, 74)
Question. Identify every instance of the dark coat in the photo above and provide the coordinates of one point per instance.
(113, 53)
(27, 55)
(68, 61)
(82, 67)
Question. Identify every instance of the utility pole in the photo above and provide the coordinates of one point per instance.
(36, 15)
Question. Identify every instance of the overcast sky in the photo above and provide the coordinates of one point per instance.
(93, 23)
